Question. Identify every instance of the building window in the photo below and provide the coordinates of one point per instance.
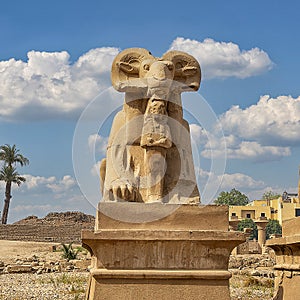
(233, 214)
(262, 214)
(297, 212)
(248, 216)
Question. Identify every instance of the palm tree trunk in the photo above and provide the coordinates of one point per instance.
(6, 202)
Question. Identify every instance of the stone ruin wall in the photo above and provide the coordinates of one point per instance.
(249, 247)
(43, 233)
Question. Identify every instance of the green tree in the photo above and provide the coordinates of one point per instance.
(270, 195)
(273, 227)
(234, 197)
(248, 223)
(9, 175)
(11, 157)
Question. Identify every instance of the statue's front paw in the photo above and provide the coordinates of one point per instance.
(124, 191)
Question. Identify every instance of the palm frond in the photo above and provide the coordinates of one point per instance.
(10, 174)
(10, 155)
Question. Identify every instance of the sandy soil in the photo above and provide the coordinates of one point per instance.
(12, 250)
(72, 286)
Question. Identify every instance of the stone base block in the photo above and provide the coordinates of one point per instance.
(287, 268)
(153, 216)
(160, 285)
(130, 261)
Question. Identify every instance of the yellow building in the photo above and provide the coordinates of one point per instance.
(260, 211)
(283, 208)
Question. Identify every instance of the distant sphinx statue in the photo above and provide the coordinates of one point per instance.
(149, 155)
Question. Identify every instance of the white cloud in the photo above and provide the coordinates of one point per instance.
(2, 185)
(95, 171)
(258, 193)
(224, 59)
(240, 181)
(97, 143)
(34, 209)
(229, 181)
(272, 121)
(210, 181)
(198, 134)
(257, 152)
(40, 195)
(63, 185)
(237, 149)
(40, 183)
(47, 85)
(265, 131)
(252, 187)
(36, 181)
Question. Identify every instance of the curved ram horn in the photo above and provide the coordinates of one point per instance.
(126, 66)
(187, 69)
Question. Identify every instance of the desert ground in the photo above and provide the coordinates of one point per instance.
(70, 283)
(48, 284)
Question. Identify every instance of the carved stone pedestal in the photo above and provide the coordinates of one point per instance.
(180, 252)
(287, 250)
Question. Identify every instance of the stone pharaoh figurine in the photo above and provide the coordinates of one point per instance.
(149, 156)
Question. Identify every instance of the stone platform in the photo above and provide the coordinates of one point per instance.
(287, 250)
(160, 251)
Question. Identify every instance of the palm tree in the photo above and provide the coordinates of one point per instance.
(10, 156)
(9, 175)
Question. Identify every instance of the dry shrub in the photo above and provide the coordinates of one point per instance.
(251, 281)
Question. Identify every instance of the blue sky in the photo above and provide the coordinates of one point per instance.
(55, 58)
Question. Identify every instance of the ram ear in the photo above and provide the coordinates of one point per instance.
(187, 69)
(126, 66)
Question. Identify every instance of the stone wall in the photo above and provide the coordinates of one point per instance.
(249, 247)
(43, 233)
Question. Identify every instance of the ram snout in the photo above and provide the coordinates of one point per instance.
(159, 70)
(159, 76)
